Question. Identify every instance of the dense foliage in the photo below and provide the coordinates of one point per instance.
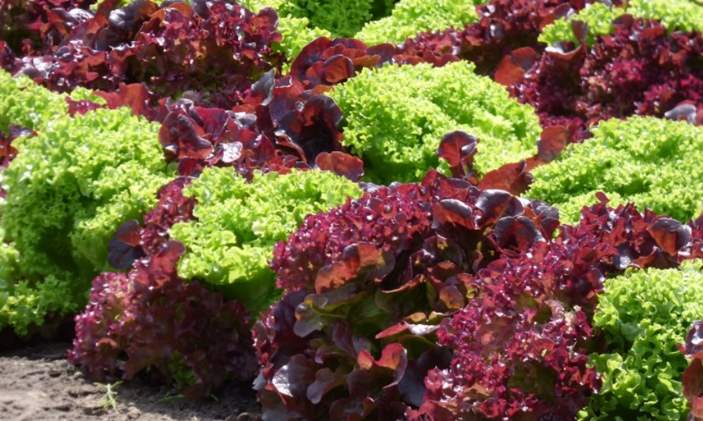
(639, 69)
(217, 229)
(648, 161)
(211, 53)
(355, 333)
(69, 187)
(223, 212)
(644, 316)
(396, 116)
(236, 224)
(150, 321)
(521, 345)
(366, 285)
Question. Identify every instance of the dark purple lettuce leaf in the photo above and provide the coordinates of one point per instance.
(150, 321)
(328, 62)
(28, 24)
(198, 137)
(518, 351)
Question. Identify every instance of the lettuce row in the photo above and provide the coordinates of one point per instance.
(395, 117)
(644, 316)
(410, 17)
(652, 162)
(68, 189)
(237, 223)
(675, 15)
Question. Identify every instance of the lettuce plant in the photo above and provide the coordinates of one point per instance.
(367, 284)
(640, 69)
(67, 190)
(395, 117)
(150, 322)
(675, 15)
(411, 17)
(236, 224)
(643, 317)
(648, 161)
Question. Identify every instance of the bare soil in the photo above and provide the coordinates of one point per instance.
(37, 383)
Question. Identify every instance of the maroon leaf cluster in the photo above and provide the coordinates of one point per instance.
(149, 321)
(329, 62)
(27, 24)
(518, 351)
(521, 344)
(210, 52)
(640, 69)
(279, 126)
(197, 137)
(366, 286)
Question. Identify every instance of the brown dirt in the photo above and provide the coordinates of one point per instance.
(37, 383)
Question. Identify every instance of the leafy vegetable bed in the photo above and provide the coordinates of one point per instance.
(366, 209)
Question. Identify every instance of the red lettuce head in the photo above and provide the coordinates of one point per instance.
(641, 68)
(366, 287)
